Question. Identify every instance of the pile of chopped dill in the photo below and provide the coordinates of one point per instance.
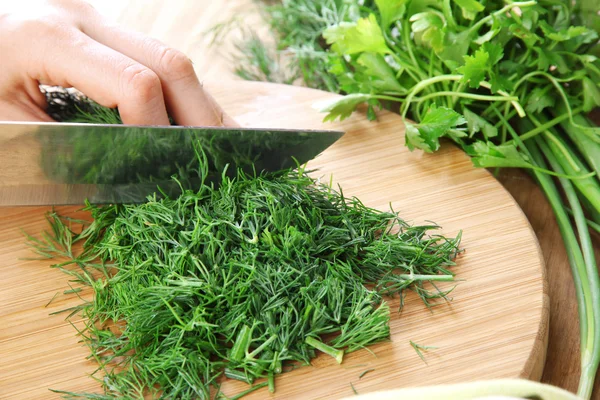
(236, 280)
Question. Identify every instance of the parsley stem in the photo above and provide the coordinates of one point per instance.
(563, 95)
(515, 103)
(409, 47)
(447, 8)
(588, 145)
(422, 85)
(547, 125)
(574, 253)
(589, 187)
(589, 280)
(465, 95)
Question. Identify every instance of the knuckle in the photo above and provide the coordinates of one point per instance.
(75, 11)
(45, 27)
(141, 83)
(174, 65)
(70, 5)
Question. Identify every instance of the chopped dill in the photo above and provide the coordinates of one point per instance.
(418, 349)
(238, 280)
(365, 372)
(51, 300)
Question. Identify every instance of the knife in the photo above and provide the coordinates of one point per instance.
(52, 163)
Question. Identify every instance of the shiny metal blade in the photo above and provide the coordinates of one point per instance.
(67, 163)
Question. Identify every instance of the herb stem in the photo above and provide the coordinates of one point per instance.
(422, 85)
(464, 95)
(590, 280)
(547, 125)
(337, 354)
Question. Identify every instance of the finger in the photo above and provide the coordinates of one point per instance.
(104, 75)
(186, 100)
(24, 102)
(16, 111)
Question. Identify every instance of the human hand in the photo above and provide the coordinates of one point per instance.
(68, 43)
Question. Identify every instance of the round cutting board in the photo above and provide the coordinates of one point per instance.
(495, 326)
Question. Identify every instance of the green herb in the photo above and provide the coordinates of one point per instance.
(353, 389)
(51, 300)
(331, 351)
(509, 82)
(418, 349)
(237, 280)
(365, 372)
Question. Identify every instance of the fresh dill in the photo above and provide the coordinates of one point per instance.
(365, 372)
(51, 300)
(418, 349)
(237, 280)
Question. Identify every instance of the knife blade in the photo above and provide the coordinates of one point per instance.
(52, 163)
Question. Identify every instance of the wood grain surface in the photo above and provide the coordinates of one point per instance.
(495, 326)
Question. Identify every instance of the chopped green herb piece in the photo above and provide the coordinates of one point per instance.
(365, 372)
(418, 349)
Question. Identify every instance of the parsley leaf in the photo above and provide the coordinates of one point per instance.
(379, 74)
(495, 52)
(500, 82)
(425, 20)
(428, 29)
(591, 94)
(476, 124)
(475, 68)
(548, 58)
(538, 100)
(435, 124)
(391, 11)
(469, 8)
(489, 155)
(524, 34)
(562, 35)
(352, 38)
(341, 107)
(489, 35)
(455, 47)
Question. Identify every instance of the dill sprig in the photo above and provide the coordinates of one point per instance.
(236, 280)
(418, 349)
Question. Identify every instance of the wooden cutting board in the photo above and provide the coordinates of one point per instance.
(184, 23)
(494, 327)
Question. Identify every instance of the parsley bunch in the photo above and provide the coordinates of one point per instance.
(511, 83)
